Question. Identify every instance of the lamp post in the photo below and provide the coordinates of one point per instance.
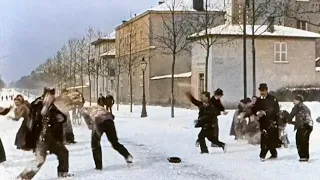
(144, 109)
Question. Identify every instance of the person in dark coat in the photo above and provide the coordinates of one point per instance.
(47, 135)
(304, 125)
(207, 120)
(100, 121)
(3, 112)
(21, 111)
(109, 102)
(216, 102)
(101, 100)
(267, 109)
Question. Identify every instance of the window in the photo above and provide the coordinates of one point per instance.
(302, 25)
(280, 52)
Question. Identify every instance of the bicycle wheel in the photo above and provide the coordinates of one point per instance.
(79, 119)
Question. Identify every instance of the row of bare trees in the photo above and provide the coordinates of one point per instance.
(68, 67)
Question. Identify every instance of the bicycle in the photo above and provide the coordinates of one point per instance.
(76, 117)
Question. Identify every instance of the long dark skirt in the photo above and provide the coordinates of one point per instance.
(2, 153)
(20, 141)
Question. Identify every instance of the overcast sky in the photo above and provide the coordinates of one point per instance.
(32, 30)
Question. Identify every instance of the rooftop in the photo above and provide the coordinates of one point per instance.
(182, 5)
(280, 31)
(109, 37)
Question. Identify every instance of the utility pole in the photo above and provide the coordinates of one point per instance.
(245, 4)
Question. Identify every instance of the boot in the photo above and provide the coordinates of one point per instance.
(303, 159)
(129, 159)
(64, 174)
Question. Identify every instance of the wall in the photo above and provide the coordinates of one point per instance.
(226, 65)
(161, 92)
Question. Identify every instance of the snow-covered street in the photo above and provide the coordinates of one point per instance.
(153, 139)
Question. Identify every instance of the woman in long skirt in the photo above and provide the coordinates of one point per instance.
(3, 111)
(21, 111)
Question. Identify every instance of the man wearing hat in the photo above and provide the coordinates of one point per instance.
(303, 124)
(216, 102)
(267, 109)
(46, 134)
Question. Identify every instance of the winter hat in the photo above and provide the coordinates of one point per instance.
(218, 92)
(299, 97)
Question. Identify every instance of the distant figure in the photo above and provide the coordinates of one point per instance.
(7, 98)
(109, 102)
(101, 100)
(1, 98)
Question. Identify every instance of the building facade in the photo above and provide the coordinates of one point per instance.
(142, 37)
(103, 78)
(284, 58)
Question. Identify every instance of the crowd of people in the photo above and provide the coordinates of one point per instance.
(42, 129)
(258, 120)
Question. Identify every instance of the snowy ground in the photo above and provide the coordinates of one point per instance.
(153, 139)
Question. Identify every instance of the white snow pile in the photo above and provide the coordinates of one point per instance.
(281, 31)
(153, 139)
(182, 75)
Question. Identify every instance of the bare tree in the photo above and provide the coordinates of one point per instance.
(172, 40)
(81, 62)
(90, 37)
(258, 17)
(202, 22)
(130, 59)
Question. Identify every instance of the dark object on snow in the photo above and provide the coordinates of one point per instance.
(174, 159)
(318, 119)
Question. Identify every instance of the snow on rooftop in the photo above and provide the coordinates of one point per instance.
(111, 35)
(318, 69)
(109, 53)
(317, 59)
(187, 5)
(182, 75)
(259, 30)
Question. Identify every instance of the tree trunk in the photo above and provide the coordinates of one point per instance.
(253, 66)
(118, 90)
(89, 76)
(131, 94)
(206, 69)
(172, 85)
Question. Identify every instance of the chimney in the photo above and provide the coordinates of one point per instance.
(270, 24)
(160, 2)
(198, 5)
(124, 21)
